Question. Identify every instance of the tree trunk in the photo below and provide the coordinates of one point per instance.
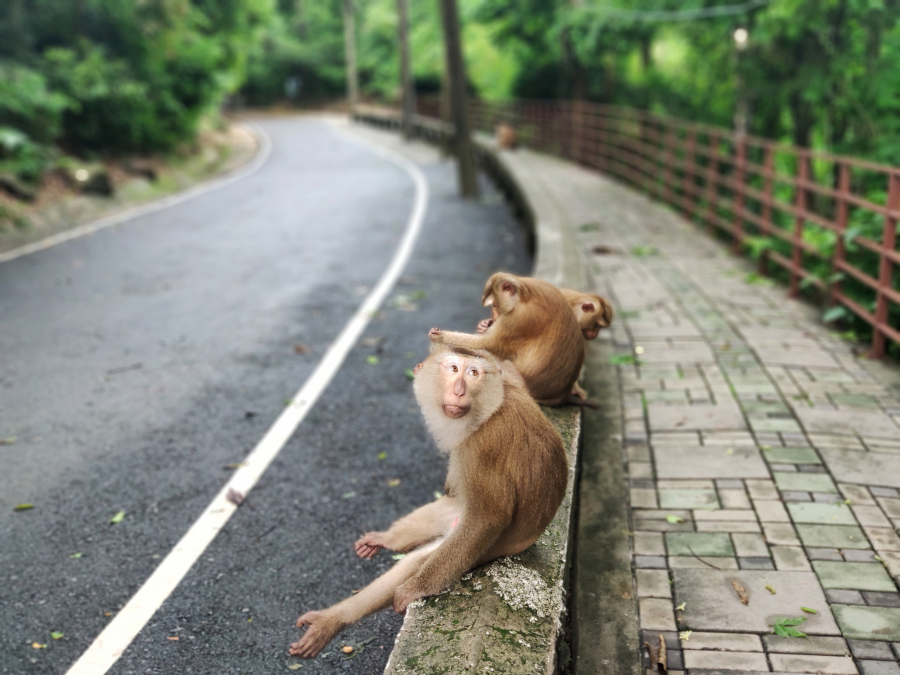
(465, 157)
(409, 101)
(350, 57)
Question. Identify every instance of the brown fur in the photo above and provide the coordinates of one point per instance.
(505, 481)
(533, 326)
(507, 139)
(593, 312)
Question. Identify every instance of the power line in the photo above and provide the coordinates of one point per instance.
(678, 14)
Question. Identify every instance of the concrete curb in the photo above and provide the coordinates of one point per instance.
(509, 616)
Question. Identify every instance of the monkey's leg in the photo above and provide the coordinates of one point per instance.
(579, 391)
(463, 340)
(322, 626)
(421, 526)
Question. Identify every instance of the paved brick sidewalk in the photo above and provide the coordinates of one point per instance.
(760, 450)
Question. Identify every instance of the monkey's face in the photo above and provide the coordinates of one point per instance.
(462, 378)
(594, 317)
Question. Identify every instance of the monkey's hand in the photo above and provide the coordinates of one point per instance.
(369, 544)
(405, 595)
(436, 335)
(321, 628)
(483, 326)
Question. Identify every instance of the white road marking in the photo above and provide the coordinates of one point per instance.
(256, 163)
(116, 637)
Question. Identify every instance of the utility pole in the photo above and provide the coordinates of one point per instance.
(465, 157)
(350, 57)
(409, 100)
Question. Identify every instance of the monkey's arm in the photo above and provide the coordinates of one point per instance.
(463, 340)
(457, 554)
(422, 525)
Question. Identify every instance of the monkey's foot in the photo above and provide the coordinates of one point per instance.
(482, 326)
(319, 632)
(584, 402)
(578, 391)
(369, 544)
(404, 596)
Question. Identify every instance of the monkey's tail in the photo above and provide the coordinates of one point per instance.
(584, 402)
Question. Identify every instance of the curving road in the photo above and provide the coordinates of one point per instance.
(139, 363)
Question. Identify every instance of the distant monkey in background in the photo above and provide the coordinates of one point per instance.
(507, 139)
(505, 481)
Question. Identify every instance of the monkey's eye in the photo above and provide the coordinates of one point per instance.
(473, 371)
(454, 368)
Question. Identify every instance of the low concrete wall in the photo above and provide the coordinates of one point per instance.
(507, 616)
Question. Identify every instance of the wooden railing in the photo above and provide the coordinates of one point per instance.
(820, 221)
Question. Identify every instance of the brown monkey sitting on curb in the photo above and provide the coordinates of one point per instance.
(533, 326)
(507, 139)
(506, 479)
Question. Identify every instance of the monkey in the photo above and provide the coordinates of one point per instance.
(593, 312)
(507, 139)
(506, 478)
(533, 326)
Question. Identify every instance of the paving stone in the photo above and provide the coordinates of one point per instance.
(711, 603)
(869, 468)
(880, 599)
(709, 461)
(725, 661)
(689, 417)
(750, 545)
(790, 496)
(870, 515)
(896, 646)
(642, 498)
(871, 649)
(660, 514)
(852, 555)
(823, 514)
(656, 614)
(884, 492)
(664, 484)
(795, 356)
(747, 515)
(771, 512)
(730, 484)
(762, 489)
(832, 536)
(824, 554)
(657, 525)
(879, 668)
(699, 543)
(688, 499)
(857, 494)
(790, 559)
(728, 642)
(638, 453)
(650, 561)
(640, 469)
(805, 482)
(649, 543)
(780, 534)
(845, 422)
(653, 583)
(853, 576)
(733, 499)
(811, 468)
(839, 597)
(890, 506)
(827, 497)
(756, 564)
(825, 646)
(642, 483)
(805, 663)
(883, 538)
(733, 526)
(669, 637)
(774, 424)
(791, 455)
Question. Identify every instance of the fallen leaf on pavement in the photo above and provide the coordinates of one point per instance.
(393, 482)
(741, 591)
(382, 455)
(652, 652)
(784, 627)
(410, 375)
(173, 638)
(398, 556)
(117, 518)
(23, 507)
(347, 649)
(348, 495)
(674, 519)
(661, 659)
(8, 441)
(55, 635)
(770, 589)
(372, 360)
(809, 610)
(301, 349)
(234, 497)
(685, 635)
(295, 666)
(76, 555)
(681, 607)
(38, 645)
(372, 341)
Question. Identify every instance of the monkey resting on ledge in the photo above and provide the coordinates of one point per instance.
(505, 481)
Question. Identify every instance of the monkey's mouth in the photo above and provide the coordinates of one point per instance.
(455, 411)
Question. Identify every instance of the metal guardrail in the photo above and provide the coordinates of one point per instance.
(805, 212)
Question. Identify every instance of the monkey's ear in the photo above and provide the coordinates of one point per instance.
(587, 307)
(487, 300)
(418, 368)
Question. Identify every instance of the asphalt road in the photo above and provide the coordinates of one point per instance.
(138, 363)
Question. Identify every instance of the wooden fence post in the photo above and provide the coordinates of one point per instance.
(886, 266)
(799, 221)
